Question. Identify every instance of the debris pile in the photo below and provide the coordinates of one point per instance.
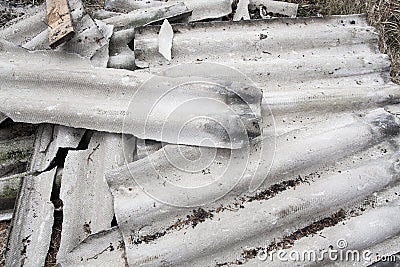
(189, 133)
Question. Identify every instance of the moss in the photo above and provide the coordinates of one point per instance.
(8, 192)
(15, 155)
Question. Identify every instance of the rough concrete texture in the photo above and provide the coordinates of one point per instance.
(32, 222)
(83, 175)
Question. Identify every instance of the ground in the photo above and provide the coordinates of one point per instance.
(3, 239)
(383, 14)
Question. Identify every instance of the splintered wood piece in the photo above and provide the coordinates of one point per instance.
(59, 21)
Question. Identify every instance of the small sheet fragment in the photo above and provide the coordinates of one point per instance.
(274, 7)
(90, 39)
(121, 56)
(105, 248)
(126, 6)
(165, 38)
(149, 15)
(242, 11)
(49, 140)
(83, 179)
(207, 9)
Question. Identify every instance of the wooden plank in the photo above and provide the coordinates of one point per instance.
(59, 21)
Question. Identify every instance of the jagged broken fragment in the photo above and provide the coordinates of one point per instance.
(90, 40)
(50, 139)
(165, 38)
(242, 11)
(83, 174)
(105, 248)
(127, 6)
(149, 15)
(275, 7)
(202, 9)
(32, 222)
(207, 9)
(121, 56)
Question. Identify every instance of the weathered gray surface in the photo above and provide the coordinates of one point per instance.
(327, 127)
(339, 56)
(90, 39)
(308, 149)
(242, 11)
(49, 140)
(104, 14)
(165, 39)
(145, 148)
(32, 222)
(54, 108)
(202, 9)
(143, 208)
(121, 56)
(359, 232)
(72, 107)
(291, 205)
(27, 27)
(324, 120)
(102, 249)
(149, 15)
(337, 70)
(207, 9)
(131, 5)
(83, 177)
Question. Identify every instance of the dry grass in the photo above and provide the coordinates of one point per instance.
(383, 14)
(309, 8)
(3, 240)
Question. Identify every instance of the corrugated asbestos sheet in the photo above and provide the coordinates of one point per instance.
(326, 85)
(319, 169)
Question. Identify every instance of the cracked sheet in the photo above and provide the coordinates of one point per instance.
(49, 140)
(32, 223)
(83, 179)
